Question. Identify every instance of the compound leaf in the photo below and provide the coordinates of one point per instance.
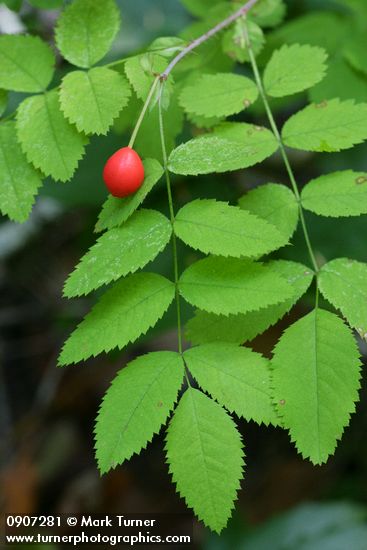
(316, 380)
(234, 42)
(136, 405)
(215, 227)
(231, 146)
(26, 63)
(93, 99)
(207, 327)
(327, 127)
(86, 29)
(232, 285)
(343, 282)
(220, 94)
(274, 203)
(237, 377)
(19, 181)
(283, 76)
(116, 211)
(338, 194)
(120, 251)
(142, 70)
(48, 140)
(141, 298)
(205, 457)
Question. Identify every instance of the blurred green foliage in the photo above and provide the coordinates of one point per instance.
(313, 526)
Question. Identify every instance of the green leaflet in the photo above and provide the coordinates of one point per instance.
(19, 181)
(274, 203)
(136, 405)
(327, 127)
(86, 29)
(142, 298)
(116, 211)
(205, 457)
(343, 282)
(200, 121)
(231, 146)
(259, 137)
(316, 371)
(206, 327)
(234, 43)
(167, 46)
(120, 251)
(237, 377)
(48, 140)
(214, 227)
(283, 76)
(26, 63)
(232, 285)
(142, 70)
(92, 99)
(218, 95)
(338, 194)
(268, 13)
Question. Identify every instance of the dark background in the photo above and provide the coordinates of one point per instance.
(47, 413)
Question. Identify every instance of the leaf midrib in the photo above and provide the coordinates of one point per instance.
(13, 182)
(25, 70)
(101, 122)
(54, 134)
(212, 499)
(221, 230)
(231, 375)
(316, 371)
(323, 129)
(138, 403)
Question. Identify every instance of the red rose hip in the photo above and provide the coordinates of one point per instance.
(123, 173)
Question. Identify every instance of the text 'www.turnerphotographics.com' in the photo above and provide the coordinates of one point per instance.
(108, 530)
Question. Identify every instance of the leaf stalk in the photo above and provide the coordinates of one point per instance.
(283, 151)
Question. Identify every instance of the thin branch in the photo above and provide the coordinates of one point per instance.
(204, 37)
(142, 114)
(174, 238)
(283, 152)
(172, 219)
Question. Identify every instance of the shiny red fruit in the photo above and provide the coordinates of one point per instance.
(123, 173)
